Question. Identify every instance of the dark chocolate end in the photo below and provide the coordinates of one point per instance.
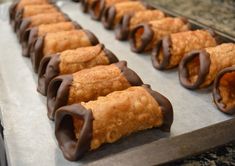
(97, 5)
(204, 68)
(29, 38)
(57, 94)
(93, 39)
(165, 45)
(12, 12)
(77, 26)
(73, 149)
(36, 53)
(146, 37)
(18, 19)
(131, 76)
(122, 29)
(23, 25)
(48, 69)
(216, 92)
(84, 6)
(166, 108)
(111, 57)
(108, 17)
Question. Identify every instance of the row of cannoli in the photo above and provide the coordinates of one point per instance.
(93, 97)
(172, 42)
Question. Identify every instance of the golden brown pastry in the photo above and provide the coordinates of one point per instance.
(40, 19)
(129, 21)
(169, 51)
(88, 84)
(113, 14)
(98, 6)
(145, 36)
(31, 34)
(198, 69)
(71, 61)
(32, 10)
(224, 91)
(19, 4)
(84, 127)
(52, 43)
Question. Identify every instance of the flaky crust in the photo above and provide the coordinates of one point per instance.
(219, 57)
(145, 36)
(32, 10)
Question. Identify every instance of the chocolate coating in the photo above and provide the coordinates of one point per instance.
(166, 108)
(111, 57)
(108, 17)
(57, 94)
(131, 76)
(94, 5)
(48, 69)
(146, 37)
(36, 53)
(205, 62)
(12, 12)
(23, 25)
(122, 29)
(84, 6)
(93, 39)
(216, 92)
(18, 19)
(73, 148)
(165, 44)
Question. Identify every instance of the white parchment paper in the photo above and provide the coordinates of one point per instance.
(29, 134)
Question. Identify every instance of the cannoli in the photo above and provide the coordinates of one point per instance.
(71, 61)
(224, 91)
(129, 21)
(98, 6)
(169, 51)
(144, 36)
(84, 127)
(57, 42)
(31, 34)
(88, 84)
(32, 10)
(113, 14)
(86, 4)
(198, 69)
(19, 4)
(34, 21)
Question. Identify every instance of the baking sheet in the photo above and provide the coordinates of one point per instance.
(29, 134)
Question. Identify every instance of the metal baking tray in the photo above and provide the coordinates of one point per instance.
(29, 134)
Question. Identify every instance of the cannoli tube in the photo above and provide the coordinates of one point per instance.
(98, 6)
(53, 43)
(129, 21)
(198, 69)
(144, 36)
(86, 4)
(169, 51)
(34, 21)
(224, 91)
(19, 4)
(32, 10)
(84, 127)
(71, 61)
(113, 14)
(31, 34)
(88, 84)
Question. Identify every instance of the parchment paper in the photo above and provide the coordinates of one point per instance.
(29, 134)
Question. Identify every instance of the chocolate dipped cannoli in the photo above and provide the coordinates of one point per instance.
(19, 4)
(86, 4)
(84, 127)
(34, 21)
(31, 34)
(224, 91)
(32, 10)
(129, 21)
(169, 51)
(98, 6)
(113, 14)
(71, 61)
(52, 43)
(144, 36)
(88, 84)
(198, 69)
